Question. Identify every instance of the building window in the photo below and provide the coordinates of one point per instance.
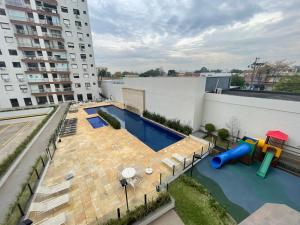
(2, 65)
(14, 102)
(84, 12)
(86, 75)
(70, 45)
(2, 12)
(76, 75)
(77, 23)
(82, 47)
(5, 26)
(80, 36)
(20, 77)
(86, 24)
(87, 35)
(77, 85)
(66, 22)
(68, 33)
(89, 45)
(12, 52)
(84, 66)
(83, 56)
(16, 64)
(0, 52)
(72, 56)
(74, 66)
(27, 101)
(8, 87)
(64, 9)
(24, 88)
(92, 65)
(9, 39)
(76, 12)
(5, 77)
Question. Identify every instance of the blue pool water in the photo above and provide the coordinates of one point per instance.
(97, 122)
(151, 134)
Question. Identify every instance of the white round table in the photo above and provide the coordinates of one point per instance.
(148, 170)
(128, 173)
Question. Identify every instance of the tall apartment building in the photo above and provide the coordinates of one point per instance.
(46, 53)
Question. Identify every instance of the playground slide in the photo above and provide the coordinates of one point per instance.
(234, 153)
(265, 164)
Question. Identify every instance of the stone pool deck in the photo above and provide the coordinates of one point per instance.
(96, 156)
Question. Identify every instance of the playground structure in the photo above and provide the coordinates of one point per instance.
(268, 151)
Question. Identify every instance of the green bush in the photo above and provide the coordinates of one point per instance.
(142, 211)
(223, 133)
(5, 164)
(173, 124)
(110, 119)
(209, 127)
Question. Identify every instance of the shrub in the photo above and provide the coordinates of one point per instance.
(110, 119)
(173, 124)
(223, 133)
(209, 127)
(142, 211)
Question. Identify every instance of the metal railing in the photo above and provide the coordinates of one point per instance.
(19, 208)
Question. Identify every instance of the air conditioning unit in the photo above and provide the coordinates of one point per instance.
(6, 79)
(77, 16)
(80, 39)
(85, 69)
(67, 25)
(21, 79)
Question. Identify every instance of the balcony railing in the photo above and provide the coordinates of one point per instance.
(49, 22)
(29, 45)
(36, 69)
(26, 32)
(48, 90)
(63, 89)
(52, 35)
(53, 69)
(55, 46)
(38, 80)
(43, 8)
(61, 79)
(20, 18)
(17, 3)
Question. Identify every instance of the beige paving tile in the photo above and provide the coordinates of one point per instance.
(96, 156)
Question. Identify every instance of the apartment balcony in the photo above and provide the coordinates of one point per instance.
(13, 4)
(61, 80)
(34, 59)
(50, 36)
(50, 23)
(31, 70)
(48, 91)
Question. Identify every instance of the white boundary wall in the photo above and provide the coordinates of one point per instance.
(256, 115)
(172, 97)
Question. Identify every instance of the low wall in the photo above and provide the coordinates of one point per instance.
(255, 115)
(24, 113)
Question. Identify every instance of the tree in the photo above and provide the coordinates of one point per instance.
(209, 127)
(151, 73)
(237, 80)
(233, 125)
(288, 84)
(102, 72)
(171, 73)
(237, 71)
(223, 133)
(216, 71)
(202, 70)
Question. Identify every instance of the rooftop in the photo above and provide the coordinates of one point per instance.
(264, 94)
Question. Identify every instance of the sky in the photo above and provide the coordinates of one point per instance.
(185, 35)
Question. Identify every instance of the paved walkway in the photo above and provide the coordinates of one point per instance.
(11, 187)
(170, 218)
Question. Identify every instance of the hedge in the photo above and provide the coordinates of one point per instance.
(209, 127)
(5, 164)
(110, 119)
(223, 133)
(173, 124)
(141, 211)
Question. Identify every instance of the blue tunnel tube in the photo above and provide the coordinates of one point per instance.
(234, 153)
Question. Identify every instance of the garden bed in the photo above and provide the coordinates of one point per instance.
(195, 205)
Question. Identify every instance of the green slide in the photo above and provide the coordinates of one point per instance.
(265, 164)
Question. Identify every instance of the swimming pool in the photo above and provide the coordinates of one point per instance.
(156, 137)
(96, 122)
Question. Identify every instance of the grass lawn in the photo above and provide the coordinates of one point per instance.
(195, 205)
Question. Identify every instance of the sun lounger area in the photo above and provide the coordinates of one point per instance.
(69, 127)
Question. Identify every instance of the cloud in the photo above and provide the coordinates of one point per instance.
(188, 34)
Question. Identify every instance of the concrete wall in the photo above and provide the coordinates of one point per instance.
(256, 115)
(173, 97)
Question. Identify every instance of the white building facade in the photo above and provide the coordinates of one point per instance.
(46, 53)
